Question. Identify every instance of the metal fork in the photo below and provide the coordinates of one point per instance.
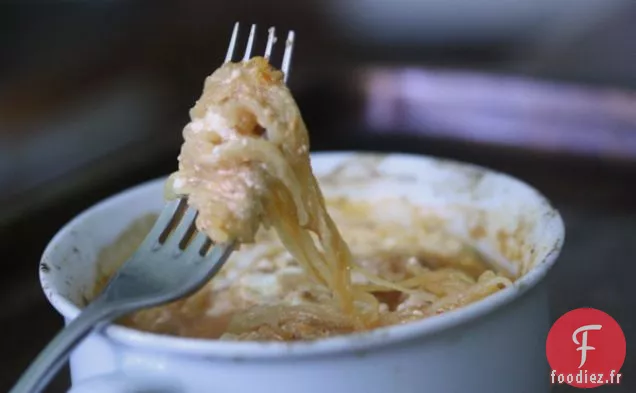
(173, 261)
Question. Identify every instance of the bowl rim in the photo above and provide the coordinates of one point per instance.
(356, 343)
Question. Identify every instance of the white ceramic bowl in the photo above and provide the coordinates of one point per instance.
(495, 345)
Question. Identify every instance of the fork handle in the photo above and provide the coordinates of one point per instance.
(56, 353)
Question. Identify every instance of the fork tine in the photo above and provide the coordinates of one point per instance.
(271, 40)
(163, 222)
(287, 56)
(250, 43)
(230, 48)
(196, 246)
(182, 229)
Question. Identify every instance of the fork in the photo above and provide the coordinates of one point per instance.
(172, 262)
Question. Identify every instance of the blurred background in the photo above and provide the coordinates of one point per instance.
(94, 94)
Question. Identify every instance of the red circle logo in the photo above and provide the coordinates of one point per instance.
(586, 349)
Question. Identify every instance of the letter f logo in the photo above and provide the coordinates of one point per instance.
(583, 344)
